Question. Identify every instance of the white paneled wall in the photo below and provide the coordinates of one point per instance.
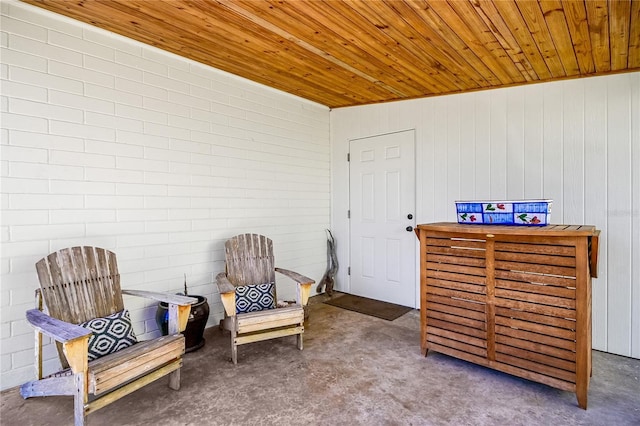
(112, 143)
(576, 142)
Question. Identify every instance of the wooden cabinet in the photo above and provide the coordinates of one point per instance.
(515, 299)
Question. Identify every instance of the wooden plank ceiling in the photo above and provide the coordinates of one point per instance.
(344, 53)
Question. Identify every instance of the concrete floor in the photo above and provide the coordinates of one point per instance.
(355, 370)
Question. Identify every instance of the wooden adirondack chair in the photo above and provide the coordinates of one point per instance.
(80, 284)
(248, 294)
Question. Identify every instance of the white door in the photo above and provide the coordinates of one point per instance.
(382, 212)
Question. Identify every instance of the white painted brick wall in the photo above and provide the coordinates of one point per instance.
(112, 143)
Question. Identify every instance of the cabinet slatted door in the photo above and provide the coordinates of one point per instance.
(456, 292)
(511, 298)
(535, 298)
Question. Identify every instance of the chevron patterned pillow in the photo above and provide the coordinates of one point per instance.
(110, 334)
(255, 297)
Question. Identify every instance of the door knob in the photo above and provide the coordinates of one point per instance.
(409, 228)
(409, 216)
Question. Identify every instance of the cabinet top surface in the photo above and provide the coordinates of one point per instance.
(548, 230)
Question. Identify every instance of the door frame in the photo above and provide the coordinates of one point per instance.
(415, 198)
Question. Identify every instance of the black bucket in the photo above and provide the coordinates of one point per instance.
(195, 326)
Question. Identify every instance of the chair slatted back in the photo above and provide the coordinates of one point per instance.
(249, 260)
(80, 283)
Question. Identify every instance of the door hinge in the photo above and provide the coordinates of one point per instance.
(349, 270)
(348, 156)
(348, 214)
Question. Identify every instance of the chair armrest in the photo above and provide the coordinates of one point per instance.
(224, 285)
(227, 294)
(74, 339)
(300, 279)
(168, 298)
(179, 307)
(304, 284)
(60, 331)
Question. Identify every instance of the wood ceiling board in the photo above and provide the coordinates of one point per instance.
(281, 51)
(355, 52)
(554, 16)
(598, 18)
(169, 36)
(634, 36)
(432, 19)
(442, 51)
(511, 14)
(537, 26)
(478, 39)
(337, 49)
(619, 22)
(382, 45)
(490, 15)
(579, 29)
(499, 59)
(407, 54)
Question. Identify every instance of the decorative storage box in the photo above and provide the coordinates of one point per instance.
(517, 212)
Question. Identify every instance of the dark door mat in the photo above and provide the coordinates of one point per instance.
(374, 308)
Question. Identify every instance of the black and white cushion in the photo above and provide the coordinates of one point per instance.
(110, 334)
(255, 297)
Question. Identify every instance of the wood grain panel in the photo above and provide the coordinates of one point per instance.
(536, 318)
(345, 53)
(470, 28)
(361, 61)
(453, 260)
(537, 377)
(457, 332)
(456, 319)
(537, 367)
(526, 257)
(539, 358)
(401, 34)
(502, 32)
(446, 56)
(460, 346)
(471, 281)
(536, 308)
(536, 268)
(620, 12)
(536, 298)
(459, 269)
(536, 278)
(463, 289)
(547, 249)
(475, 297)
(441, 26)
(556, 20)
(548, 290)
(465, 355)
(460, 252)
(576, 16)
(460, 312)
(537, 25)
(462, 338)
(634, 36)
(568, 345)
(466, 305)
(515, 22)
(547, 330)
(598, 19)
(536, 347)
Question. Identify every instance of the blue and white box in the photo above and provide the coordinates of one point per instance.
(514, 212)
